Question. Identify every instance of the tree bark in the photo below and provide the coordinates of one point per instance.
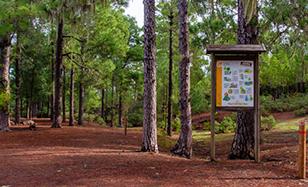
(243, 141)
(81, 99)
(81, 86)
(72, 85)
(52, 97)
(31, 94)
(112, 103)
(149, 139)
(28, 108)
(34, 109)
(303, 72)
(120, 110)
(41, 109)
(21, 107)
(58, 70)
(63, 97)
(106, 105)
(103, 104)
(38, 109)
(169, 124)
(48, 108)
(17, 80)
(5, 51)
(183, 146)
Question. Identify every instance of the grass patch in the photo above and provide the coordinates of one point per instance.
(200, 136)
(166, 142)
(289, 125)
(284, 126)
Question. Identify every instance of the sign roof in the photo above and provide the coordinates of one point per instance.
(235, 49)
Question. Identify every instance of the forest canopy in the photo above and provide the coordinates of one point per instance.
(102, 52)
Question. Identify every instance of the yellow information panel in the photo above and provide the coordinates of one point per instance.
(234, 83)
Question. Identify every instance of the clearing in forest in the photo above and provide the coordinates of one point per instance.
(95, 156)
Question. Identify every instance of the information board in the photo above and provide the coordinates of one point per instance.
(234, 83)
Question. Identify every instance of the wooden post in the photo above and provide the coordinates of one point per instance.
(302, 151)
(213, 108)
(257, 112)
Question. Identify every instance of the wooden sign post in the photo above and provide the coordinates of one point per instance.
(302, 150)
(235, 84)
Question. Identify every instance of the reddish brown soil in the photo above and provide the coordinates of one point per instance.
(282, 116)
(95, 156)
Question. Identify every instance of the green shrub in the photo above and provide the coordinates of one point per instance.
(4, 100)
(162, 124)
(135, 119)
(99, 120)
(176, 125)
(226, 126)
(218, 128)
(233, 116)
(284, 104)
(207, 126)
(300, 112)
(85, 116)
(89, 117)
(265, 112)
(135, 115)
(267, 123)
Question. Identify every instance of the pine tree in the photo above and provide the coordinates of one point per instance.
(149, 140)
(183, 146)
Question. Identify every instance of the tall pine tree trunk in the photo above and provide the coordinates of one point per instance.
(106, 105)
(183, 146)
(28, 109)
(58, 83)
(103, 104)
(169, 124)
(5, 51)
(120, 110)
(149, 139)
(81, 99)
(48, 108)
(63, 97)
(34, 110)
(81, 85)
(21, 107)
(303, 71)
(17, 80)
(243, 141)
(112, 102)
(52, 97)
(31, 94)
(72, 85)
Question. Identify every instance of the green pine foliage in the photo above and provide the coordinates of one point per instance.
(112, 55)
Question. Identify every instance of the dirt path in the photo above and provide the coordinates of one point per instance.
(94, 156)
(283, 116)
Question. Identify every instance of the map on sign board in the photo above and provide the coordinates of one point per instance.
(234, 83)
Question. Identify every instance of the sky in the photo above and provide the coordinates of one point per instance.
(135, 9)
